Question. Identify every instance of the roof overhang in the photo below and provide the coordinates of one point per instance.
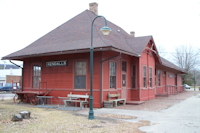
(75, 51)
(168, 68)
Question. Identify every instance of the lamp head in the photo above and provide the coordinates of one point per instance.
(105, 30)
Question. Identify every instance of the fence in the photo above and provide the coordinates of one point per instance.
(169, 89)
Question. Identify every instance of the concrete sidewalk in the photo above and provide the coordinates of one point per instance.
(160, 103)
(173, 114)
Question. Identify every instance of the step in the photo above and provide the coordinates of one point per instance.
(161, 95)
(135, 102)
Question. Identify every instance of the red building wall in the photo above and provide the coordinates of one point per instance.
(106, 76)
(147, 59)
(61, 78)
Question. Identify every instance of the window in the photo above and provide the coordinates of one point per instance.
(150, 77)
(80, 75)
(112, 75)
(155, 78)
(158, 78)
(164, 73)
(133, 77)
(124, 80)
(1, 84)
(36, 75)
(124, 66)
(144, 76)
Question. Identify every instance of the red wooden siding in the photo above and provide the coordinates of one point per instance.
(147, 59)
(61, 79)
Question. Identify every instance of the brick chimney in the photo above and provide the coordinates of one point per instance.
(94, 7)
(132, 33)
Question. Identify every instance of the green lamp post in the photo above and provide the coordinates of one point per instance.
(105, 30)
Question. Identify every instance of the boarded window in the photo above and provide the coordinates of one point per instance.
(36, 75)
(112, 72)
(80, 75)
(133, 77)
(144, 76)
(150, 77)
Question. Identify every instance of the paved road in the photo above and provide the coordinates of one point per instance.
(183, 117)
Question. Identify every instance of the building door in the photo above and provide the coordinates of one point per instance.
(176, 87)
(155, 85)
(124, 80)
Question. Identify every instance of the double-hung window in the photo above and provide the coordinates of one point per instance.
(150, 77)
(112, 72)
(144, 76)
(80, 75)
(158, 78)
(36, 75)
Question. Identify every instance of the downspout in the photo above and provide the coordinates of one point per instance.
(148, 74)
(22, 72)
(139, 79)
(101, 89)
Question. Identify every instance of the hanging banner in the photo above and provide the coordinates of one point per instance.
(56, 63)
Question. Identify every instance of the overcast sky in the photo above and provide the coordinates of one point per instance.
(170, 22)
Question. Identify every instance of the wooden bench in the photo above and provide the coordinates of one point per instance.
(116, 100)
(77, 98)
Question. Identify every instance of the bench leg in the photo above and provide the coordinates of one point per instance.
(65, 103)
(124, 103)
(81, 104)
(115, 103)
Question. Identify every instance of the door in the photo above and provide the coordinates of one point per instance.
(155, 85)
(124, 80)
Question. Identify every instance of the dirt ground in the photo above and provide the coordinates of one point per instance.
(53, 120)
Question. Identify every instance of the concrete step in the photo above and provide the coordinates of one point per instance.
(135, 102)
(161, 95)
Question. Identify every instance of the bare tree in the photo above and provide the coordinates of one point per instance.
(161, 50)
(186, 57)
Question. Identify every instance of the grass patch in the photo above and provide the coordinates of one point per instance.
(52, 120)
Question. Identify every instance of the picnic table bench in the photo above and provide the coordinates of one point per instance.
(115, 101)
(77, 98)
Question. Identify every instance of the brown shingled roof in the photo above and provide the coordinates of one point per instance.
(138, 43)
(76, 34)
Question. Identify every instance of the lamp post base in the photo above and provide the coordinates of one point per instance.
(91, 115)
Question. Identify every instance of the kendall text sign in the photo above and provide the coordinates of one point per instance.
(56, 63)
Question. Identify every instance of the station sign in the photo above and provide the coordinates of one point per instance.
(56, 63)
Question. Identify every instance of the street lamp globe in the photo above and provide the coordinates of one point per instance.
(105, 30)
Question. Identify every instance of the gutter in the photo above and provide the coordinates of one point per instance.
(101, 89)
(22, 71)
